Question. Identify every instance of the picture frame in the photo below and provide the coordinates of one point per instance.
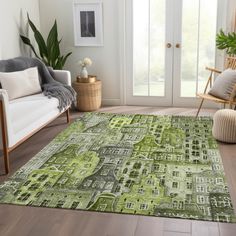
(88, 24)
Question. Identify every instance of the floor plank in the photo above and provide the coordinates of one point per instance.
(227, 229)
(23, 221)
(169, 233)
(205, 228)
(151, 226)
(176, 225)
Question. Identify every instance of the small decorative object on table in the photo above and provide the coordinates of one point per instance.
(90, 79)
(84, 64)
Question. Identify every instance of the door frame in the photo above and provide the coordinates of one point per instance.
(126, 58)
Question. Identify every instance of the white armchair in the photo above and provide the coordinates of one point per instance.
(23, 117)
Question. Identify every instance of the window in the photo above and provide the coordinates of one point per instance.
(155, 192)
(141, 191)
(150, 182)
(143, 206)
(175, 173)
(200, 199)
(129, 205)
(175, 185)
(189, 185)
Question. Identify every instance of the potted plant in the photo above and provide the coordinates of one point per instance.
(226, 41)
(49, 50)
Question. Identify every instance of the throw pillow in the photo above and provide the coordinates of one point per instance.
(21, 83)
(224, 84)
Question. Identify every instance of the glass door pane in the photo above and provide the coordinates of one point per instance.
(140, 47)
(149, 32)
(157, 47)
(199, 21)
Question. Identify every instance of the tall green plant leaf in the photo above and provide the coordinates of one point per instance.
(39, 39)
(65, 58)
(53, 45)
(58, 64)
(49, 51)
(28, 42)
(32, 26)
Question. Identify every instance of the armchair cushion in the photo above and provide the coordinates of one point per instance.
(224, 84)
(21, 83)
(30, 109)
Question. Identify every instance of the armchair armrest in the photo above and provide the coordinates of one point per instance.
(213, 70)
(4, 99)
(63, 76)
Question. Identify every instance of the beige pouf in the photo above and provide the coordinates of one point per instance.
(224, 126)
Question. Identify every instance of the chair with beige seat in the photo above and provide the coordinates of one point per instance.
(223, 90)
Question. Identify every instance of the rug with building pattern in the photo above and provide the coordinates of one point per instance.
(165, 166)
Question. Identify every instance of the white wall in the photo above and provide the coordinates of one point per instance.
(105, 59)
(12, 22)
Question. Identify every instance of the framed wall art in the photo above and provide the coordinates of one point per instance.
(88, 24)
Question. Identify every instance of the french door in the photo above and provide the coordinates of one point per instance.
(168, 45)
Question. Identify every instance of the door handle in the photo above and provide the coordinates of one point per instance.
(178, 45)
(168, 45)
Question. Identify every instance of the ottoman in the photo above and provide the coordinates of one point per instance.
(224, 126)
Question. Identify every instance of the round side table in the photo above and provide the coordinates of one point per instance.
(89, 95)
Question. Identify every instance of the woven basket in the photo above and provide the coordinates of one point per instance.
(89, 96)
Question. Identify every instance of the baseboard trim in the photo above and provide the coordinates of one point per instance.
(111, 102)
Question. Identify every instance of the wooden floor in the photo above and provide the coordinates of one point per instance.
(33, 221)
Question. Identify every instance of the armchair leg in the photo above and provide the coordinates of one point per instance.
(199, 107)
(68, 115)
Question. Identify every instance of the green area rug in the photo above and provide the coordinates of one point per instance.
(136, 164)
